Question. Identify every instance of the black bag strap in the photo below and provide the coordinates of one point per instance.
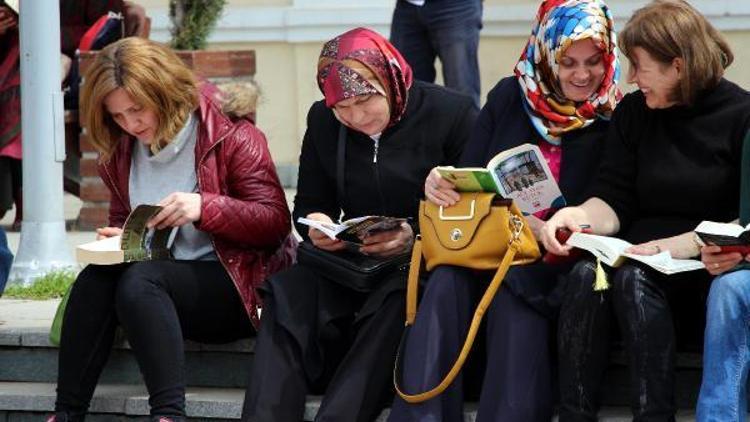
(340, 162)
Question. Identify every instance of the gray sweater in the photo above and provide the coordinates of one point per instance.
(154, 177)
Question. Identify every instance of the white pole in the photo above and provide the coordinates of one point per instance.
(43, 246)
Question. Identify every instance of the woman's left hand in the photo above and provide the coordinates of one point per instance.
(179, 209)
(717, 262)
(680, 247)
(388, 243)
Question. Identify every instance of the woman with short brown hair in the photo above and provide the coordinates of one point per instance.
(163, 140)
(671, 160)
(702, 52)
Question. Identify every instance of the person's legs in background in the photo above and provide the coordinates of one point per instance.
(454, 27)
(411, 36)
(6, 260)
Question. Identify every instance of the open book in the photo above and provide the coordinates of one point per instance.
(137, 243)
(519, 173)
(355, 229)
(731, 237)
(611, 251)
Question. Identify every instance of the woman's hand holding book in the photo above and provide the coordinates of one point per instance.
(440, 191)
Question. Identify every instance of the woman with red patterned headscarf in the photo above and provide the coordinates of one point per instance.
(318, 335)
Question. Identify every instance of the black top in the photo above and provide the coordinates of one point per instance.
(432, 132)
(664, 171)
(503, 123)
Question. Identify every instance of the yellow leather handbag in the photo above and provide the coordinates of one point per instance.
(481, 232)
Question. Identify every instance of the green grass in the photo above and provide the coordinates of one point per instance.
(49, 286)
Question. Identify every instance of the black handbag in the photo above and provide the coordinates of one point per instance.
(354, 270)
(350, 268)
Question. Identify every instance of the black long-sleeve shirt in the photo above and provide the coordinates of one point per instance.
(436, 125)
(665, 170)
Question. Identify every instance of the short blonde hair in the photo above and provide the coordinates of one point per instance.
(153, 75)
(670, 29)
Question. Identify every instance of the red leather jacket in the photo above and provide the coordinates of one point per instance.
(243, 205)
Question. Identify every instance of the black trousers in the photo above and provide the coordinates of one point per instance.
(318, 337)
(158, 304)
(651, 309)
(517, 381)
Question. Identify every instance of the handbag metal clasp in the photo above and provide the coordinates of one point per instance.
(456, 235)
(459, 217)
(516, 226)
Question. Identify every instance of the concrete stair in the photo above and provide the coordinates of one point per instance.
(216, 376)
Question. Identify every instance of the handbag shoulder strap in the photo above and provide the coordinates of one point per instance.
(340, 162)
(411, 307)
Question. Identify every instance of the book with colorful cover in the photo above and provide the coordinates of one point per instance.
(521, 174)
(355, 229)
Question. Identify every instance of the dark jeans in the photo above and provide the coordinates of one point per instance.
(448, 29)
(517, 382)
(158, 304)
(643, 302)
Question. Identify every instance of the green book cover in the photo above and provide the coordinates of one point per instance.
(469, 179)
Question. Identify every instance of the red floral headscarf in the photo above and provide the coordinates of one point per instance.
(338, 78)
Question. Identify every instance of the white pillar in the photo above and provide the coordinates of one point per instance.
(43, 246)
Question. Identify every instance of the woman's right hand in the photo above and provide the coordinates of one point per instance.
(105, 232)
(717, 262)
(440, 191)
(571, 218)
(319, 239)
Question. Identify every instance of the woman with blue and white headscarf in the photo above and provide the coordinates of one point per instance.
(562, 94)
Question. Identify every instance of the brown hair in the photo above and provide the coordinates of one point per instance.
(152, 75)
(670, 29)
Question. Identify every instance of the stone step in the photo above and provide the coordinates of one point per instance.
(35, 360)
(21, 402)
(228, 365)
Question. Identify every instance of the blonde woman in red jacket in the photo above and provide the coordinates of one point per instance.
(162, 139)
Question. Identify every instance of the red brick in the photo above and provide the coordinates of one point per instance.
(83, 142)
(92, 217)
(88, 167)
(220, 63)
(94, 190)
